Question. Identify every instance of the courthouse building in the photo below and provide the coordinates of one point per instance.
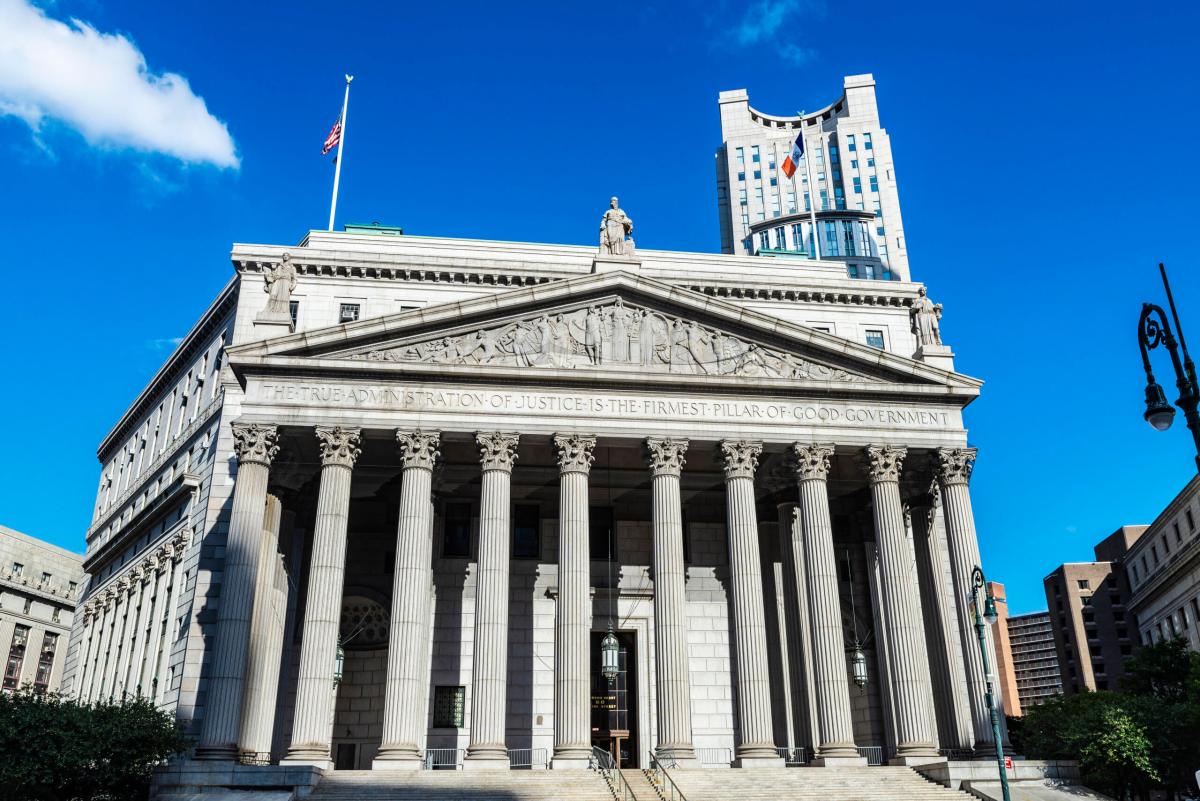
(385, 502)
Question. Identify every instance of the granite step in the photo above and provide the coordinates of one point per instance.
(458, 785)
(812, 784)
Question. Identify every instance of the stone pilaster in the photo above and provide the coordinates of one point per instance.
(266, 643)
(132, 632)
(834, 724)
(955, 466)
(116, 645)
(83, 669)
(105, 603)
(912, 695)
(312, 728)
(173, 553)
(674, 697)
(572, 629)
(255, 446)
(160, 565)
(757, 746)
(489, 665)
(147, 578)
(407, 688)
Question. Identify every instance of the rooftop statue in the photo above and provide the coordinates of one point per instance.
(280, 282)
(923, 317)
(615, 225)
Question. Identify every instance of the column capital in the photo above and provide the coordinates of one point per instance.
(497, 450)
(255, 443)
(419, 448)
(740, 457)
(665, 455)
(883, 462)
(575, 452)
(339, 446)
(811, 462)
(955, 465)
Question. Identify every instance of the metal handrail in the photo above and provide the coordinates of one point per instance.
(715, 757)
(664, 785)
(793, 756)
(873, 753)
(526, 758)
(603, 763)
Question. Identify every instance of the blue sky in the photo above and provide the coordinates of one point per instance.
(1042, 154)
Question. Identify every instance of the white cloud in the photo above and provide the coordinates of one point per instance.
(99, 85)
(773, 23)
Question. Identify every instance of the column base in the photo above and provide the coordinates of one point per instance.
(294, 762)
(398, 757)
(205, 753)
(914, 761)
(759, 762)
(488, 762)
(838, 762)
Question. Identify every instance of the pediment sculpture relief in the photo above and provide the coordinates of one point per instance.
(612, 335)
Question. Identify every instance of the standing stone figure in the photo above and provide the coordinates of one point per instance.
(647, 339)
(593, 334)
(281, 281)
(614, 226)
(923, 316)
(620, 331)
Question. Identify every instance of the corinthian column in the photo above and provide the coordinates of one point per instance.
(835, 728)
(255, 446)
(670, 603)
(407, 688)
(757, 745)
(489, 665)
(954, 474)
(572, 663)
(266, 643)
(908, 664)
(312, 729)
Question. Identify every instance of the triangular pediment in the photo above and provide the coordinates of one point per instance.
(603, 326)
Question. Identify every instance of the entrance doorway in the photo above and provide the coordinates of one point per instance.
(614, 705)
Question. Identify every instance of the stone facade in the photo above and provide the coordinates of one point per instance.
(469, 459)
(1163, 568)
(39, 584)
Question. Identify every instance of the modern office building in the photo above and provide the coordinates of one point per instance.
(1164, 572)
(845, 184)
(39, 583)
(1094, 631)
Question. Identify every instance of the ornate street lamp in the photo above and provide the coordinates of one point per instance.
(339, 664)
(1154, 330)
(858, 659)
(610, 664)
(988, 614)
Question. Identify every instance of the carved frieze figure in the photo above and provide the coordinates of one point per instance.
(280, 283)
(923, 316)
(593, 335)
(615, 225)
(605, 333)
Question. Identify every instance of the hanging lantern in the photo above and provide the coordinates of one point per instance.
(339, 662)
(858, 666)
(610, 664)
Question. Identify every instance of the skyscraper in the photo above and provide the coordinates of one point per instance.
(845, 184)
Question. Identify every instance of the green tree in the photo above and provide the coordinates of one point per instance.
(54, 749)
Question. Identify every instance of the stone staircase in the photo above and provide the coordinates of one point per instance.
(810, 784)
(464, 785)
(640, 785)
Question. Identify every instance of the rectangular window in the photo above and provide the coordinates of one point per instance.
(294, 310)
(781, 238)
(1191, 520)
(527, 537)
(41, 679)
(871, 163)
(850, 146)
(456, 539)
(1084, 584)
(758, 175)
(754, 157)
(348, 313)
(741, 176)
(852, 270)
(741, 155)
(875, 338)
(1154, 554)
(764, 240)
(16, 657)
(771, 160)
(602, 538)
(448, 707)
(867, 142)
(858, 186)
(874, 183)
(742, 196)
(1178, 533)
(774, 182)
(758, 195)
(854, 164)
(17, 569)
(833, 154)
(45, 577)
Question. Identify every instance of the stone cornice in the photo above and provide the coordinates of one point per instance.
(213, 316)
(170, 547)
(183, 484)
(22, 585)
(1160, 580)
(117, 507)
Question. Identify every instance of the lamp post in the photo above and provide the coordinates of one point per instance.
(989, 613)
(1154, 330)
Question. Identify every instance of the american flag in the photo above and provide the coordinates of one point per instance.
(335, 136)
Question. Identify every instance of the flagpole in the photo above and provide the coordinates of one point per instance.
(337, 170)
(812, 198)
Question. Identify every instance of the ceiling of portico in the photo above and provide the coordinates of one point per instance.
(616, 329)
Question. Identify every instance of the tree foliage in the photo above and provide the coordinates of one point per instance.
(1146, 737)
(54, 749)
